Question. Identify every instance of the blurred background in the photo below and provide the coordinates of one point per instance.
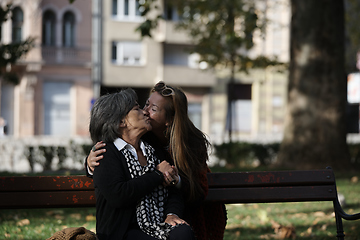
(59, 56)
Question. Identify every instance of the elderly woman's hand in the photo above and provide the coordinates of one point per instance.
(173, 220)
(170, 173)
(95, 155)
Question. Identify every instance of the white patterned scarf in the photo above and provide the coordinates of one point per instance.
(150, 209)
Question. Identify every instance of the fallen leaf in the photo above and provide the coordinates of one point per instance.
(23, 222)
(90, 218)
(283, 232)
(59, 217)
(266, 236)
(319, 214)
(316, 221)
(77, 216)
(354, 179)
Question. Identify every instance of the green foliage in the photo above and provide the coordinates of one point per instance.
(61, 153)
(234, 153)
(354, 150)
(12, 52)
(222, 30)
(244, 154)
(4, 13)
(149, 24)
(48, 153)
(29, 153)
(352, 33)
(45, 155)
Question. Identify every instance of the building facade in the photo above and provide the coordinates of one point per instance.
(131, 61)
(54, 95)
(86, 49)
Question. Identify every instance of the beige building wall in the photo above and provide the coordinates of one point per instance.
(269, 86)
(204, 88)
(159, 62)
(52, 64)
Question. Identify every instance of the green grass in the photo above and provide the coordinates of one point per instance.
(309, 220)
(43, 223)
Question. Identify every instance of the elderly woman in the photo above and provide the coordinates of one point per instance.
(131, 200)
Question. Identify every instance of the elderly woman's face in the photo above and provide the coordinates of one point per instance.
(136, 119)
(155, 109)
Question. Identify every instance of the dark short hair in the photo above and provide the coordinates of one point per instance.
(107, 113)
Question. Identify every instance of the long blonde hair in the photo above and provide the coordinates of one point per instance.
(188, 145)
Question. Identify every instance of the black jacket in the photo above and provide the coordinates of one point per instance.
(117, 194)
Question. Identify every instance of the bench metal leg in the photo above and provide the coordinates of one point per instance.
(339, 226)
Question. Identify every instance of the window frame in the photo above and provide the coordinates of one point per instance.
(117, 54)
(45, 31)
(69, 41)
(118, 11)
(17, 26)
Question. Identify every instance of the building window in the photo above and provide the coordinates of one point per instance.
(48, 34)
(57, 108)
(170, 12)
(128, 10)
(277, 101)
(195, 113)
(127, 53)
(17, 24)
(69, 30)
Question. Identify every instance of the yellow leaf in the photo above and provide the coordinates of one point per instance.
(23, 222)
(77, 216)
(319, 214)
(59, 217)
(90, 218)
(354, 179)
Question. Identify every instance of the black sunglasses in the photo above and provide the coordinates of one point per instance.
(163, 89)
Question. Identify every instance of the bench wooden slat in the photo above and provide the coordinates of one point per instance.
(238, 179)
(45, 183)
(47, 199)
(239, 187)
(272, 194)
(271, 178)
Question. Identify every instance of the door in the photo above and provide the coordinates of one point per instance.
(56, 98)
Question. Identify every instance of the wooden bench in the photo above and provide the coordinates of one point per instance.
(236, 187)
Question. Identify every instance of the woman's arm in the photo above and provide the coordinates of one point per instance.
(92, 160)
(113, 180)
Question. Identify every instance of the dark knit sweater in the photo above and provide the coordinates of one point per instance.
(117, 194)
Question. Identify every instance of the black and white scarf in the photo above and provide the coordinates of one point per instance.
(150, 210)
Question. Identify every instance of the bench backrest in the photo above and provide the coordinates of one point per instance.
(237, 187)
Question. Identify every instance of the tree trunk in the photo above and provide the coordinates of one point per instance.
(315, 132)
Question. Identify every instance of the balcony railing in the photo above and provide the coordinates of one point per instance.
(63, 55)
(189, 76)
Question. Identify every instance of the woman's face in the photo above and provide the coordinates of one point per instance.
(155, 110)
(137, 120)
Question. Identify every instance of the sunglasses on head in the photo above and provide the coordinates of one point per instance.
(164, 90)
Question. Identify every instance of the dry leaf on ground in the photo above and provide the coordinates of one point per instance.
(23, 222)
